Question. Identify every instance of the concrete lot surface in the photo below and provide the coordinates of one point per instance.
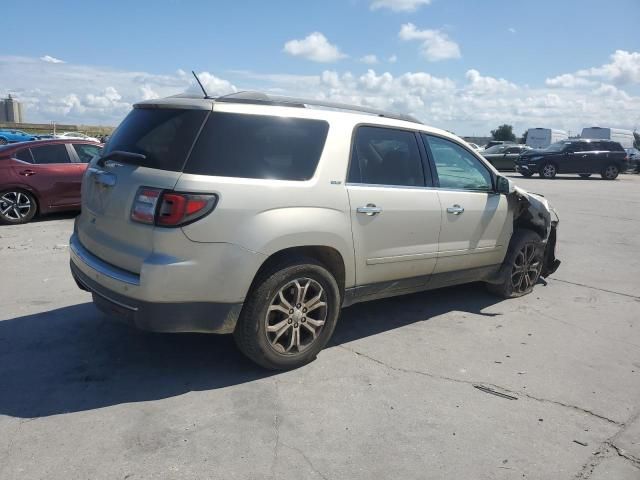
(393, 396)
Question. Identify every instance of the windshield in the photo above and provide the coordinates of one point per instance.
(556, 147)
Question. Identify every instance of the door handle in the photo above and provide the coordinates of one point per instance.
(27, 173)
(456, 209)
(370, 209)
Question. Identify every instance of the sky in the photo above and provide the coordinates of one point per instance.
(463, 65)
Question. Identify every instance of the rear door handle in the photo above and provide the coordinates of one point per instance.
(370, 209)
(27, 173)
(456, 209)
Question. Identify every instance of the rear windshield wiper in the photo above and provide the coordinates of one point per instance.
(122, 153)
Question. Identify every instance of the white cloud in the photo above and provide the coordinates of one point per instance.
(399, 5)
(50, 59)
(512, 30)
(623, 69)
(568, 80)
(314, 47)
(392, 59)
(474, 104)
(369, 59)
(435, 45)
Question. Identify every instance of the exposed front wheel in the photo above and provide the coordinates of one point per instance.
(17, 206)
(3, 141)
(548, 170)
(289, 316)
(522, 265)
(610, 172)
(585, 175)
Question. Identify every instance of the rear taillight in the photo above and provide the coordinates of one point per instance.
(170, 209)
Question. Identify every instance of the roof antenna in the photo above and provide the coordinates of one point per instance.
(206, 95)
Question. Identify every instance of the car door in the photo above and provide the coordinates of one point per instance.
(509, 158)
(476, 224)
(52, 175)
(575, 158)
(395, 215)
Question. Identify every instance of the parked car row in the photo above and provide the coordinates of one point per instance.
(42, 176)
(15, 136)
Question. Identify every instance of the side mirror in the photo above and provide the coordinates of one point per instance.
(504, 185)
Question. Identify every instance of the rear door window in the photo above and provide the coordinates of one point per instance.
(24, 155)
(258, 146)
(50, 154)
(86, 152)
(385, 156)
(163, 135)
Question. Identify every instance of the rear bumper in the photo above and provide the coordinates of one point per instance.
(203, 317)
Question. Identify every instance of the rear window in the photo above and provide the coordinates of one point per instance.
(163, 135)
(258, 146)
(613, 147)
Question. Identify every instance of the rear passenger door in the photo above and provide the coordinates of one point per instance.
(476, 227)
(395, 215)
(51, 174)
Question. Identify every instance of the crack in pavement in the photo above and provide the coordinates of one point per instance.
(276, 426)
(634, 460)
(609, 444)
(491, 385)
(593, 288)
(15, 435)
(309, 462)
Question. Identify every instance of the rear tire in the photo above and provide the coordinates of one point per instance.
(289, 315)
(585, 175)
(548, 170)
(610, 172)
(17, 207)
(521, 267)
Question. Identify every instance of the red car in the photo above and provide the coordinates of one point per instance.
(41, 177)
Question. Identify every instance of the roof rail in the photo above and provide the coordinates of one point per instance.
(259, 98)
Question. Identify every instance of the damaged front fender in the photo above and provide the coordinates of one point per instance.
(533, 212)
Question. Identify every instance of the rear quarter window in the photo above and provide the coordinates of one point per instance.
(258, 146)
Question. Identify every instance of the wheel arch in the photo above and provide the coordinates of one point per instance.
(328, 257)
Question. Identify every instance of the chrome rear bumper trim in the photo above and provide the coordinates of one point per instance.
(81, 254)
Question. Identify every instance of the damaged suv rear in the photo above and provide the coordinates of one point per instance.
(263, 216)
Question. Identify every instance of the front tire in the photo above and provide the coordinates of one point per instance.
(17, 207)
(548, 171)
(289, 315)
(521, 267)
(610, 172)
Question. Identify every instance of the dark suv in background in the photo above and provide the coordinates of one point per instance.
(582, 156)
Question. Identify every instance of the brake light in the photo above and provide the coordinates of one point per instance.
(170, 209)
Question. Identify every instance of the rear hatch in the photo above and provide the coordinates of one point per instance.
(160, 138)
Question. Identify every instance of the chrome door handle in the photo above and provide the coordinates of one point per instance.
(456, 209)
(27, 173)
(370, 209)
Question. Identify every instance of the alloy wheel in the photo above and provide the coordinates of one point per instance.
(611, 172)
(526, 269)
(15, 206)
(296, 316)
(549, 170)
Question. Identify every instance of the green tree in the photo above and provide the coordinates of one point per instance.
(524, 137)
(504, 133)
(636, 142)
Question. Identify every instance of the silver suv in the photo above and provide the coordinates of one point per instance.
(263, 216)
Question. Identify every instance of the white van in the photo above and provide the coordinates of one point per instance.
(543, 137)
(623, 137)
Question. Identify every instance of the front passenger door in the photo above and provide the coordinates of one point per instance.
(476, 224)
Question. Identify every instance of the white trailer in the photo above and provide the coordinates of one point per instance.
(623, 137)
(543, 137)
